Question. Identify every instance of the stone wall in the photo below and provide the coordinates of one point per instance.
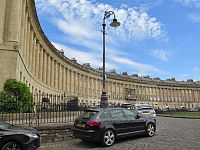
(55, 133)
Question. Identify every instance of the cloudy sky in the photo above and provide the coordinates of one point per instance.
(160, 38)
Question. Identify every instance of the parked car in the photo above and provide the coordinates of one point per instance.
(107, 125)
(18, 138)
(144, 110)
(127, 105)
(194, 109)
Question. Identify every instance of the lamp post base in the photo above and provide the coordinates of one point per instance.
(104, 100)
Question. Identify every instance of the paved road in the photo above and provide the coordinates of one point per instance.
(172, 134)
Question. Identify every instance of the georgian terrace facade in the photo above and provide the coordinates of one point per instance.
(27, 55)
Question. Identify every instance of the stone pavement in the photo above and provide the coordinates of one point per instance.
(172, 134)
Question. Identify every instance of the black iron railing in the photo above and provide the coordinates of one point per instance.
(43, 109)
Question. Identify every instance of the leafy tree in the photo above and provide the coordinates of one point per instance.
(15, 97)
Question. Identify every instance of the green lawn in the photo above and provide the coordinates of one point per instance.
(183, 114)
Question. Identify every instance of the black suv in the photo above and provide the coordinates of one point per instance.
(106, 125)
(18, 138)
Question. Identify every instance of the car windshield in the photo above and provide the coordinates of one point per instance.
(141, 107)
(125, 105)
(4, 125)
(88, 114)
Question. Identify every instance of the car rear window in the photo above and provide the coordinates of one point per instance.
(88, 114)
(140, 107)
(126, 106)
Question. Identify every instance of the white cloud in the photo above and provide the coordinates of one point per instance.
(86, 16)
(83, 57)
(144, 68)
(160, 54)
(194, 17)
(192, 3)
(114, 61)
(195, 69)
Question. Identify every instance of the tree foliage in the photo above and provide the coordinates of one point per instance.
(15, 97)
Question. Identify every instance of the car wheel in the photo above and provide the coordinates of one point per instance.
(11, 146)
(150, 130)
(108, 138)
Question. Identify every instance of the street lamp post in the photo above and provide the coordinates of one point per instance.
(115, 23)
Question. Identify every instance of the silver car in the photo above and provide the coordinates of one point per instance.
(144, 110)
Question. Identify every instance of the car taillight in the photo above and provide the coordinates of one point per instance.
(93, 123)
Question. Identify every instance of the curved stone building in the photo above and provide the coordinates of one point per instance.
(28, 56)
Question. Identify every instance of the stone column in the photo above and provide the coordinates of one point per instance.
(29, 42)
(39, 60)
(185, 97)
(44, 67)
(29, 48)
(84, 85)
(174, 95)
(52, 72)
(2, 18)
(23, 24)
(36, 59)
(181, 95)
(63, 76)
(67, 80)
(81, 85)
(25, 48)
(41, 63)
(115, 90)
(75, 80)
(56, 74)
(88, 89)
(91, 87)
(120, 94)
(95, 88)
(59, 75)
(167, 95)
(99, 88)
(178, 95)
(33, 56)
(143, 95)
(193, 96)
(160, 95)
(164, 95)
(64, 79)
(13, 18)
(71, 82)
(49, 70)
(170, 93)
(87, 86)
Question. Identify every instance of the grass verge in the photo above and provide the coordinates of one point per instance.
(183, 114)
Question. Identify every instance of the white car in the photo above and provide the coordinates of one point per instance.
(144, 110)
(127, 105)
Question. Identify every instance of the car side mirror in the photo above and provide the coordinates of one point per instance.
(138, 116)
